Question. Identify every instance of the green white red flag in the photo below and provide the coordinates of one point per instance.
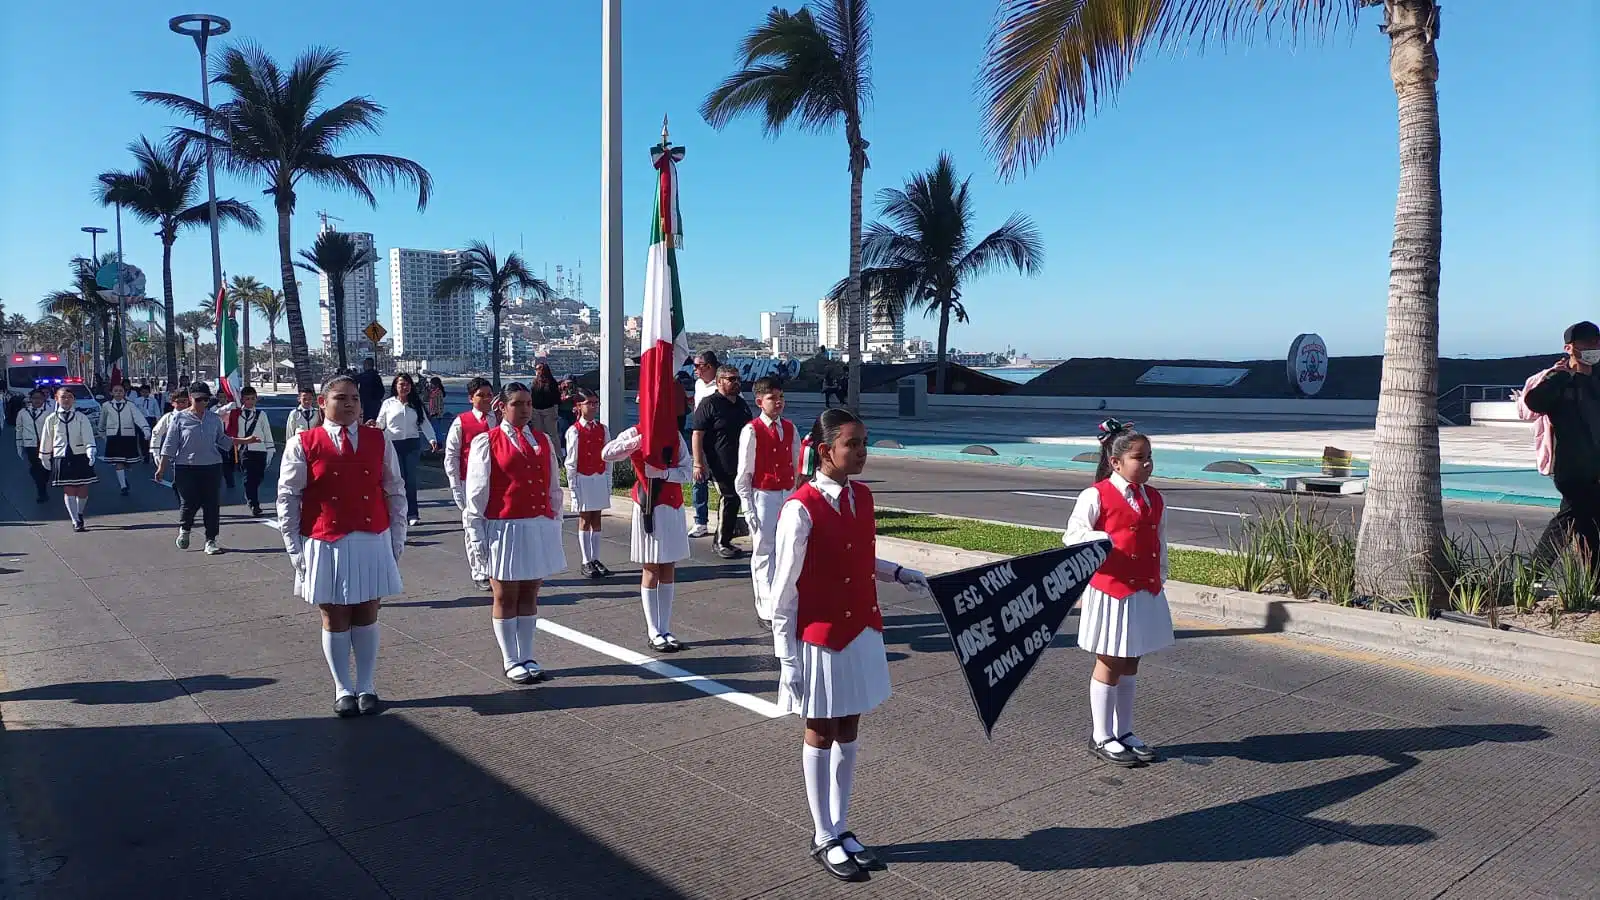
(663, 341)
(116, 353)
(228, 381)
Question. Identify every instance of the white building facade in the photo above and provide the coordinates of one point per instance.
(440, 332)
(360, 296)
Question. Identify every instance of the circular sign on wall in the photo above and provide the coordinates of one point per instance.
(1308, 365)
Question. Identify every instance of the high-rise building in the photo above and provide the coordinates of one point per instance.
(797, 339)
(438, 333)
(771, 322)
(830, 326)
(880, 331)
(884, 332)
(360, 295)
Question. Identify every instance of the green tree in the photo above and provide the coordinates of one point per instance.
(192, 323)
(922, 254)
(270, 303)
(813, 68)
(248, 289)
(276, 125)
(335, 256)
(164, 189)
(481, 272)
(1052, 62)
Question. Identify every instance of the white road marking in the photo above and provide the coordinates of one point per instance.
(1209, 512)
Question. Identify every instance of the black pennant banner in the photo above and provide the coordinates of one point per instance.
(1003, 615)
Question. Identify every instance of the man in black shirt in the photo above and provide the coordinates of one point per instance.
(370, 385)
(718, 421)
(1569, 396)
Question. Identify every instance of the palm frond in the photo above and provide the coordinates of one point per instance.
(790, 72)
(229, 210)
(1015, 245)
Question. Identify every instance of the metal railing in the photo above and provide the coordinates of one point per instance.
(1455, 405)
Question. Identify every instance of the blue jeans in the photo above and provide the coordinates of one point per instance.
(409, 451)
(701, 492)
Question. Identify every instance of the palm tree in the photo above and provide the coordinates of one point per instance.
(923, 255)
(248, 289)
(481, 272)
(83, 298)
(164, 189)
(1051, 62)
(270, 303)
(62, 332)
(275, 125)
(813, 68)
(336, 256)
(192, 323)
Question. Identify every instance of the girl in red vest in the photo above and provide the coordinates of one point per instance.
(589, 477)
(1124, 613)
(769, 457)
(475, 421)
(828, 631)
(342, 512)
(656, 551)
(513, 512)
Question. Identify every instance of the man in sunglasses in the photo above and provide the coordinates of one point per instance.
(705, 384)
(718, 421)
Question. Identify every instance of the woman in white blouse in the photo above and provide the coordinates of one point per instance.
(405, 420)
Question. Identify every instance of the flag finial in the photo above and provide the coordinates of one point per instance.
(664, 140)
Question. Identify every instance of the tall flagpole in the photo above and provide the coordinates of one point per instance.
(122, 298)
(612, 386)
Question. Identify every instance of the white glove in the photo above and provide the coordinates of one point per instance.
(299, 561)
(753, 516)
(653, 472)
(914, 581)
(459, 495)
(789, 680)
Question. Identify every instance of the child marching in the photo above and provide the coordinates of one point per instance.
(457, 444)
(589, 478)
(1124, 613)
(513, 515)
(124, 426)
(769, 457)
(306, 415)
(827, 630)
(29, 424)
(67, 447)
(256, 447)
(658, 544)
(341, 510)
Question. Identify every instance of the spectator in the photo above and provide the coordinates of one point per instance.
(718, 421)
(546, 398)
(436, 399)
(705, 373)
(1569, 396)
(370, 385)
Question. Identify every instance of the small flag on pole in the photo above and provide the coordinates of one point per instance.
(115, 354)
(228, 380)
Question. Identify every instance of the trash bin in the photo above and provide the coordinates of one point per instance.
(913, 397)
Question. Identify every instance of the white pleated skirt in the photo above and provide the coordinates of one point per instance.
(354, 569)
(847, 683)
(122, 448)
(523, 549)
(1140, 624)
(668, 544)
(591, 493)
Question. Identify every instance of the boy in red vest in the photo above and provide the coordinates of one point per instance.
(467, 426)
(589, 478)
(342, 512)
(827, 630)
(769, 457)
(513, 515)
(1124, 612)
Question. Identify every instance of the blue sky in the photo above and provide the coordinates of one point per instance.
(1226, 203)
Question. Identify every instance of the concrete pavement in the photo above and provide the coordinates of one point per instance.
(167, 733)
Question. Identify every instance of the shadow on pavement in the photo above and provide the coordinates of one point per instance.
(1385, 743)
(98, 693)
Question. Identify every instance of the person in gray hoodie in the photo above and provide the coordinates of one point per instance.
(196, 445)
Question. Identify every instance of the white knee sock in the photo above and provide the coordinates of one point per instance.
(505, 634)
(1101, 700)
(72, 506)
(664, 597)
(649, 597)
(336, 650)
(589, 545)
(819, 784)
(1122, 713)
(122, 477)
(364, 638)
(527, 627)
(844, 774)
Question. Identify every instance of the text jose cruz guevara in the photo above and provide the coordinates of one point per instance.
(1017, 612)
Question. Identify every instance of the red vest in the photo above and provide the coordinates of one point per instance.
(470, 428)
(670, 494)
(838, 590)
(774, 455)
(519, 480)
(591, 440)
(344, 491)
(1134, 563)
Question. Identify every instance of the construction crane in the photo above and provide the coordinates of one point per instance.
(325, 217)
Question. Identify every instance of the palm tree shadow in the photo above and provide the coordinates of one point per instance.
(1385, 743)
(114, 693)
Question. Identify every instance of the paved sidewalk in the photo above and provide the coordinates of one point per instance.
(168, 733)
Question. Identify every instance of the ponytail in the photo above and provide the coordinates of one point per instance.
(1115, 439)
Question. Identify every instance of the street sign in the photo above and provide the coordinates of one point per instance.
(375, 332)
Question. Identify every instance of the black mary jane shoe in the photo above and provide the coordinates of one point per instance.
(1142, 752)
(124, 492)
(1123, 757)
(346, 707)
(525, 677)
(368, 704)
(673, 644)
(78, 526)
(600, 570)
(590, 570)
(849, 870)
(535, 674)
(482, 584)
(866, 859)
(660, 645)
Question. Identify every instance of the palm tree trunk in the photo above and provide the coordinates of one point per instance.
(854, 300)
(494, 352)
(336, 292)
(942, 366)
(1400, 548)
(167, 313)
(272, 344)
(299, 354)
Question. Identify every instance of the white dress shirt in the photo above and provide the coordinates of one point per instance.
(622, 446)
(253, 422)
(1081, 524)
(294, 474)
(122, 418)
(474, 514)
(794, 532)
(29, 423)
(744, 481)
(299, 420)
(76, 435)
(452, 454)
(402, 422)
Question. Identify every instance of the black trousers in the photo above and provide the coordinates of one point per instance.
(197, 492)
(255, 468)
(229, 464)
(728, 516)
(37, 471)
(1578, 517)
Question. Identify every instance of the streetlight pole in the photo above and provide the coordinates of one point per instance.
(612, 384)
(202, 27)
(94, 232)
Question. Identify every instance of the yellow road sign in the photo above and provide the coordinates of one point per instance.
(375, 332)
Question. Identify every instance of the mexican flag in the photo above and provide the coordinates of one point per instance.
(662, 338)
(228, 343)
(115, 354)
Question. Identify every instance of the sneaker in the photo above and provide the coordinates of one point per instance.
(727, 551)
(414, 521)
(482, 584)
(212, 549)
(600, 570)
(183, 539)
(699, 531)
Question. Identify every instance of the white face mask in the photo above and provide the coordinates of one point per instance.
(1589, 357)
